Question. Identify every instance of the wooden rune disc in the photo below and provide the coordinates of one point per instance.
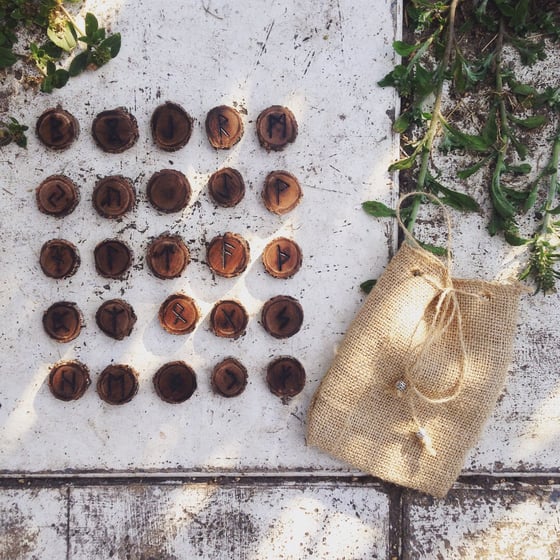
(171, 126)
(57, 196)
(168, 190)
(229, 378)
(112, 258)
(282, 316)
(69, 380)
(224, 127)
(228, 319)
(281, 192)
(285, 377)
(63, 321)
(282, 257)
(175, 382)
(116, 318)
(117, 384)
(59, 258)
(276, 128)
(113, 196)
(179, 314)
(115, 130)
(228, 255)
(168, 256)
(226, 187)
(57, 128)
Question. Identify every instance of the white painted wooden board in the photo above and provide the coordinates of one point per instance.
(322, 60)
(506, 521)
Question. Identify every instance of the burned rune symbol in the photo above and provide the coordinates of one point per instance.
(228, 316)
(166, 251)
(227, 251)
(283, 257)
(112, 127)
(56, 129)
(226, 188)
(176, 382)
(66, 380)
(283, 319)
(222, 122)
(280, 186)
(274, 120)
(232, 379)
(57, 256)
(177, 310)
(55, 196)
(114, 312)
(169, 130)
(113, 380)
(59, 321)
(111, 252)
(285, 374)
(111, 194)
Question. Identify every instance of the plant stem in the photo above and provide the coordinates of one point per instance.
(436, 115)
(553, 185)
(71, 20)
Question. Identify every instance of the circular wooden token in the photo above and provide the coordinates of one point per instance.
(69, 380)
(282, 257)
(226, 187)
(224, 127)
(285, 377)
(62, 321)
(276, 128)
(116, 318)
(175, 382)
(229, 378)
(282, 316)
(168, 190)
(167, 256)
(57, 128)
(171, 126)
(113, 196)
(117, 384)
(112, 258)
(59, 258)
(281, 192)
(228, 255)
(228, 319)
(178, 314)
(57, 196)
(115, 130)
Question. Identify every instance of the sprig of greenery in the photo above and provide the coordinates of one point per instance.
(443, 53)
(13, 131)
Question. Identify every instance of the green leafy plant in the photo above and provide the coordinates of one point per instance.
(439, 66)
(13, 131)
(58, 38)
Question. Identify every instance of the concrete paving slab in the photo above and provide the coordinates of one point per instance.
(501, 521)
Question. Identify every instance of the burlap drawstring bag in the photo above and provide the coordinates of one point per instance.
(418, 372)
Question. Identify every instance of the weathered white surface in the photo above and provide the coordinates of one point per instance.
(320, 59)
(33, 524)
(506, 521)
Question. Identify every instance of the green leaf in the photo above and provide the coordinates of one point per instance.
(530, 122)
(531, 197)
(405, 163)
(92, 25)
(402, 122)
(78, 64)
(465, 173)
(521, 169)
(113, 43)
(64, 38)
(60, 78)
(404, 49)
(368, 285)
(47, 84)
(7, 57)
(378, 209)
(439, 251)
(514, 239)
(424, 82)
(555, 211)
(520, 148)
(51, 68)
(473, 142)
(457, 200)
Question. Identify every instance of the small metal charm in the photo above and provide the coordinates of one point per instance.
(401, 386)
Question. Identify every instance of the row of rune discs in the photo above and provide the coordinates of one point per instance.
(169, 191)
(174, 382)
